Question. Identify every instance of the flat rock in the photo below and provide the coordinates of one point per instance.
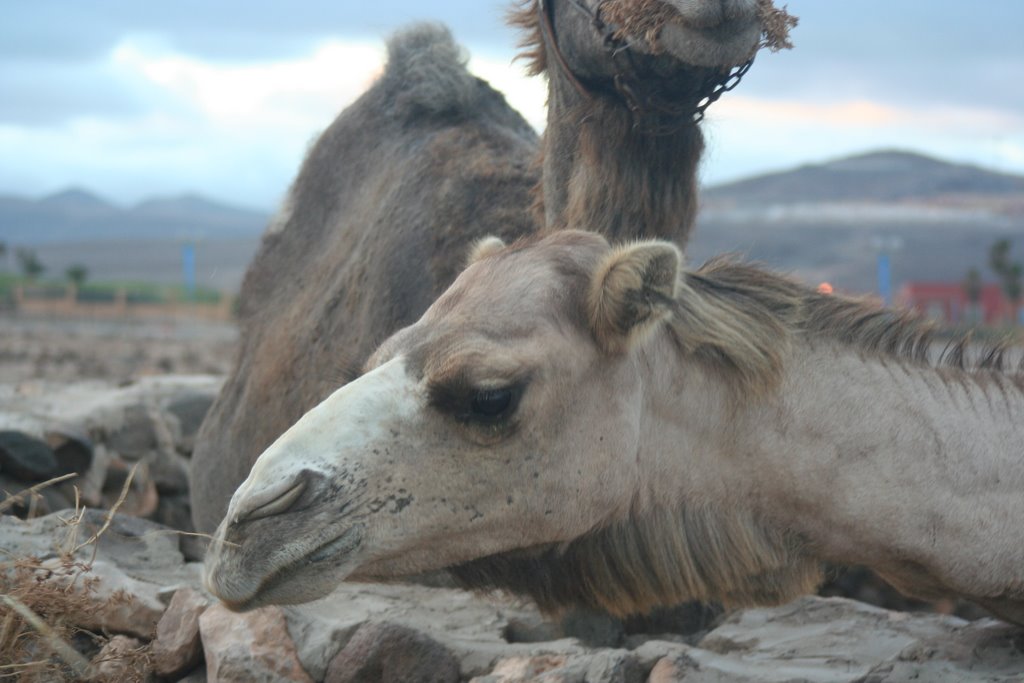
(252, 647)
(108, 601)
(385, 652)
(833, 640)
(471, 626)
(143, 550)
(601, 666)
(177, 647)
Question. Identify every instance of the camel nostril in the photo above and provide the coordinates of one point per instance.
(278, 501)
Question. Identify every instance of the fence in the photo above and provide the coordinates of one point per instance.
(121, 302)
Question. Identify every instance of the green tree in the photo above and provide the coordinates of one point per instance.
(29, 263)
(77, 274)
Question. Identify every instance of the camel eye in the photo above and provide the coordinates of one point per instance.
(488, 404)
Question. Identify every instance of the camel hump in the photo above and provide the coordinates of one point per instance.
(426, 72)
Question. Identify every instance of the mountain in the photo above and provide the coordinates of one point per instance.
(828, 222)
(822, 222)
(77, 215)
(883, 176)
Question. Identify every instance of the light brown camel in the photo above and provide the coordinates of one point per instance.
(594, 426)
(431, 158)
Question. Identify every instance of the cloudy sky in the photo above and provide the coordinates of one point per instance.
(134, 99)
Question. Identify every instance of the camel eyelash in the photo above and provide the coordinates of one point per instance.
(474, 404)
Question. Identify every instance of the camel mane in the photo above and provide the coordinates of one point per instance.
(745, 319)
(653, 559)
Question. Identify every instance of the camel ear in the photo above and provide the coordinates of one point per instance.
(632, 290)
(484, 247)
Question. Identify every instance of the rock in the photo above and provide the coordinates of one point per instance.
(42, 502)
(672, 669)
(136, 436)
(252, 647)
(90, 485)
(169, 471)
(121, 659)
(549, 668)
(603, 666)
(189, 409)
(385, 652)
(653, 651)
(143, 550)
(177, 647)
(25, 457)
(72, 448)
(614, 666)
(841, 641)
(174, 511)
(471, 626)
(142, 497)
(113, 601)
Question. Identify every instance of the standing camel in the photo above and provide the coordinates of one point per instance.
(597, 427)
(430, 158)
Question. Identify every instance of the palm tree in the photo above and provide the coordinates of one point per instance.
(30, 264)
(77, 274)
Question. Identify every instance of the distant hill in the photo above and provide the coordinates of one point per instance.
(825, 222)
(77, 215)
(883, 176)
(822, 222)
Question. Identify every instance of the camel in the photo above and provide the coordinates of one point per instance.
(430, 158)
(597, 426)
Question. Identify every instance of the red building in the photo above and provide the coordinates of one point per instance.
(947, 302)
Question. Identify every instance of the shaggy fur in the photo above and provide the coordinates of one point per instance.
(744, 319)
(374, 228)
(655, 559)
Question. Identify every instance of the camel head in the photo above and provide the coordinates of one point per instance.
(611, 38)
(506, 419)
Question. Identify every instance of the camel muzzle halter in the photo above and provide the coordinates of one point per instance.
(656, 109)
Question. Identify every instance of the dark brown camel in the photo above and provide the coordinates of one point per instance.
(377, 223)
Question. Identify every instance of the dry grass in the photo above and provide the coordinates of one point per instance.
(39, 599)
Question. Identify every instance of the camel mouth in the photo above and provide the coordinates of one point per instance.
(704, 34)
(721, 46)
(290, 583)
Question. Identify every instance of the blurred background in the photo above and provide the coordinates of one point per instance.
(144, 146)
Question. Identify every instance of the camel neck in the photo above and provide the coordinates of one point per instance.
(603, 174)
(912, 471)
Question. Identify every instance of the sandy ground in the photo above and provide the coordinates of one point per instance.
(114, 350)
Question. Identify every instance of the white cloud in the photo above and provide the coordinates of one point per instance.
(750, 135)
(287, 94)
(239, 130)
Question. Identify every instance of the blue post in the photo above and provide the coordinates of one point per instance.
(188, 269)
(884, 278)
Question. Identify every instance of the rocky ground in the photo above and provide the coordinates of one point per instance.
(85, 595)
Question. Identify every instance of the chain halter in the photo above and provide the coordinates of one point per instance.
(653, 112)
